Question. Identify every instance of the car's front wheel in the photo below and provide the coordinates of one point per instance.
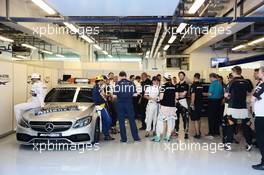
(97, 131)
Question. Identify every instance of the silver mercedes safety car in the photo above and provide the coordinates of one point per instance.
(67, 117)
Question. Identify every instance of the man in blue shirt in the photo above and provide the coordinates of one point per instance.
(124, 92)
(99, 100)
(215, 95)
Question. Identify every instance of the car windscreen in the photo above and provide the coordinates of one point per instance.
(85, 95)
(60, 95)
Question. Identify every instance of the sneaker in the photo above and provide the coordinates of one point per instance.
(228, 147)
(209, 137)
(258, 167)
(137, 140)
(156, 139)
(167, 138)
(249, 147)
(186, 136)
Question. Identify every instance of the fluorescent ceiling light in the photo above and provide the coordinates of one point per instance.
(20, 56)
(29, 46)
(110, 56)
(195, 7)
(97, 47)
(59, 55)
(181, 27)
(172, 39)
(75, 30)
(44, 6)
(47, 52)
(88, 39)
(256, 41)
(239, 47)
(104, 52)
(166, 47)
(2, 38)
(71, 27)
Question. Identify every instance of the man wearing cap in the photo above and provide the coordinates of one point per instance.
(99, 98)
(152, 95)
(111, 107)
(38, 92)
(124, 92)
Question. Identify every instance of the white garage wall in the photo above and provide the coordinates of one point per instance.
(17, 91)
(20, 85)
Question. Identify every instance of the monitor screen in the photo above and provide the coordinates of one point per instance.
(218, 60)
(66, 77)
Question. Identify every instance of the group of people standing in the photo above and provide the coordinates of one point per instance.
(162, 101)
(154, 101)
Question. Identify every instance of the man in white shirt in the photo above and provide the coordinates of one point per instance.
(38, 92)
(258, 103)
(152, 94)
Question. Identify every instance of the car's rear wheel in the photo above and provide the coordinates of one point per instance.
(97, 131)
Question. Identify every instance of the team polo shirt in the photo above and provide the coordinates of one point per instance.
(259, 103)
(216, 89)
(182, 87)
(238, 89)
(124, 90)
(197, 89)
(169, 90)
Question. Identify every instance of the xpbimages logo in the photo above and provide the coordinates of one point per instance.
(62, 30)
(204, 30)
(193, 146)
(50, 146)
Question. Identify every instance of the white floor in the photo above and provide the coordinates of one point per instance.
(132, 158)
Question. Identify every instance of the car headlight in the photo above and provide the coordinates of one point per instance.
(24, 123)
(83, 122)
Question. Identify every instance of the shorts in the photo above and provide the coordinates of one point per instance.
(238, 113)
(196, 114)
(166, 113)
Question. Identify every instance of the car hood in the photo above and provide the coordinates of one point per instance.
(60, 112)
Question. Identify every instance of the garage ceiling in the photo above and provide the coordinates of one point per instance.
(115, 7)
